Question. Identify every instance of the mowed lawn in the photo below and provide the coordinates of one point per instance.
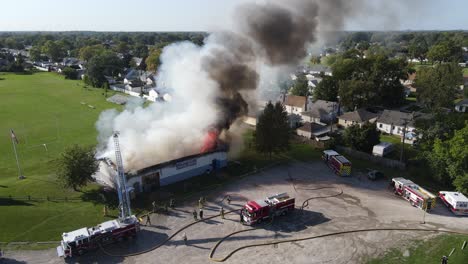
(430, 251)
(47, 115)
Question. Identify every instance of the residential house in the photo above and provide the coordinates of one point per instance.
(393, 122)
(251, 119)
(462, 106)
(321, 112)
(313, 131)
(358, 117)
(319, 69)
(295, 104)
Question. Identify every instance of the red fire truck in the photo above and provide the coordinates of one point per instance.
(415, 194)
(455, 201)
(80, 241)
(259, 210)
(339, 164)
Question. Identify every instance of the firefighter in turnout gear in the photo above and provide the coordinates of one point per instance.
(148, 220)
(194, 214)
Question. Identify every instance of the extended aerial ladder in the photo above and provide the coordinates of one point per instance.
(122, 191)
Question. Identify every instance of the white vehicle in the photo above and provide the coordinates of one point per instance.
(382, 149)
(455, 201)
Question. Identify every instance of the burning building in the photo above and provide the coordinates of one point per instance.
(214, 85)
(177, 170)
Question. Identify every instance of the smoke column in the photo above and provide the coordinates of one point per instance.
(209, 84)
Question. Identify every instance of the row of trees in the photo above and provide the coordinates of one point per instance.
(360, 82)
(435, 46)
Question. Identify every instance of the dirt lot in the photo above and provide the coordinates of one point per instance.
(363, 204)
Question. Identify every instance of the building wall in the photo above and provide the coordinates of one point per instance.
(303, 133)
(347, 123)
(179, 171)
(393, 130)
(294, 110)
(252, 121)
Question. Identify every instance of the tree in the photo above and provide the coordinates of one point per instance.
(449, 160)
(140, 50)
(437, 85)
(76, 166)
(152, 61)
(445, 51)
(105, 64)
(362, 138)
(315, 60)
(441, 125)
(35, 53)
(70, 73)
(355, 93)
(327, 89)
(418, 49)
(273, 133)
(122, 47)
(54, 50)
(86, 53)
(301, 86)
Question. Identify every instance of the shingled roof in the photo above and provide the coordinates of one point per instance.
(359, 116)
(296, 101)
(395, 118)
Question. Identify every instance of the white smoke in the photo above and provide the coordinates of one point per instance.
(212, 84)
(163, 131)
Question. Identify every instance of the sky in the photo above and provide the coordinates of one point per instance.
(200, 15)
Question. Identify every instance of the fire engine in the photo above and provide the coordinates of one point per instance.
(415, 194)
(339, 164)
(257, 211)
(455, 201)
(127, 225)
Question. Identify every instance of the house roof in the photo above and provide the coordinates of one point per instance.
(462, 102)
(314, 128)
(395, 118)
(320, 108)
(296, 101)
(360, 116)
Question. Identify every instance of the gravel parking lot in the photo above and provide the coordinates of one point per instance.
(362, 204)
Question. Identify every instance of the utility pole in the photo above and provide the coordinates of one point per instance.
(405, 123)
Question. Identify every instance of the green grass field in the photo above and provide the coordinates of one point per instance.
(43, 108)
(430, 251)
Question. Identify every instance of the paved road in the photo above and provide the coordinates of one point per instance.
(364, 204)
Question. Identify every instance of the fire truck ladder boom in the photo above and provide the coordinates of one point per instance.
(124, 199)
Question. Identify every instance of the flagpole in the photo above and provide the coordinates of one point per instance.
(20, 174)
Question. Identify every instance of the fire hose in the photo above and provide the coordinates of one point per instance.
(304, 205)
(320, 236)
(165, 241)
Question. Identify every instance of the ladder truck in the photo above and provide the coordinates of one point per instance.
(80, 241)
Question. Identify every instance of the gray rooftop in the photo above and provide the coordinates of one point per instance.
(360, 116)
(395, 118)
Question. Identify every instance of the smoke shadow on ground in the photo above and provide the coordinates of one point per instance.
(13, 202)
(11, 261)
